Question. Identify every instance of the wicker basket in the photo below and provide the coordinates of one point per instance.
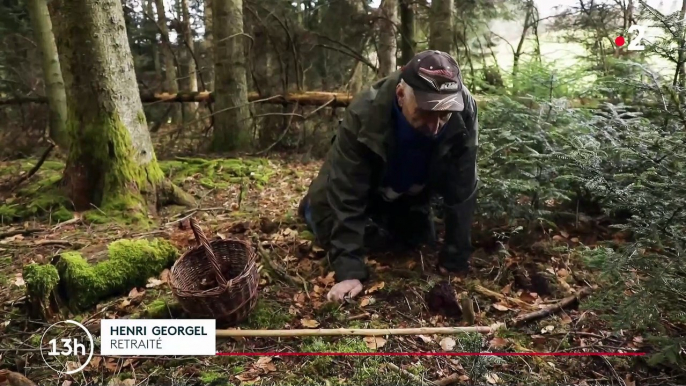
(216, 280)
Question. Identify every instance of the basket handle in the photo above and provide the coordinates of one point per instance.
(202, 240)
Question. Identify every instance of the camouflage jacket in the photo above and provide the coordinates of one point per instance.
(355, 165)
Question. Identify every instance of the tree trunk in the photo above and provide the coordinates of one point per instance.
(52, 73)
(387, 34)
(232, 120)
(407, 39)
(150, 10)
(170, 83)
(209, 45)
(111, 162)
(522, 38)
(441, 26)
(192, 76)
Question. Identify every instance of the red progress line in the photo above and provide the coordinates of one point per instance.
(446, 354)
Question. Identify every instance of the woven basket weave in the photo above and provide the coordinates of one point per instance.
(216, 279)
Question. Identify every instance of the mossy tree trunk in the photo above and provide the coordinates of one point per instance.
(170, 79)
(232, 121)
(441, 26)
(387, 34)
(52, 72)
(111, 162)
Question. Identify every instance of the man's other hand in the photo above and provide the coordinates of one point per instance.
(346, 288)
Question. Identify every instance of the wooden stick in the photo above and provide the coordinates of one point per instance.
(354, 331)
(485, 291)
(549, 310)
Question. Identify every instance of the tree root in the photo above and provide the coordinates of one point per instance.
(170, 194)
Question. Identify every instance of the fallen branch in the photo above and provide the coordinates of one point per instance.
(308, 98)
(23, 232)
(353, 331)
(554, 308)
(485, 291)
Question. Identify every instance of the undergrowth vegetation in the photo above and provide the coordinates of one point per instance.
(616, 170)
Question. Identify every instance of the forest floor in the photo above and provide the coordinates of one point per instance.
(505, 282)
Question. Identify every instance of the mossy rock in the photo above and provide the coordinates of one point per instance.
(130, 264)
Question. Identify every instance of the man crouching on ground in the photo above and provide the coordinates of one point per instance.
(410, 136)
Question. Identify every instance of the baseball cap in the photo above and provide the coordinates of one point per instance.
(436, 80)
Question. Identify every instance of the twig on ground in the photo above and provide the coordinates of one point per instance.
(274, 267)
(485, 291)
(353, 331)
(549, 310)
(75, 220)
(410, 375)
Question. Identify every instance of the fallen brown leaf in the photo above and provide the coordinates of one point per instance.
(19, 280)
(152, 283)
(447, 343)
(367, 300)
(498, 342)
(309, 323)
(506, 289)
(374, 342)
(134, 293)
(95, 362)
(248, 377)
(492, 378)
(562, 272)
(164, 276)
(500, 307)
(375, 287)
(125, 303)
(426, 339)
(67, 382)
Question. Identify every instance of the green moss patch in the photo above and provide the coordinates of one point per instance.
(130, 264)
(40, 279)
(267, 314)
(39, 197)
(218, 173)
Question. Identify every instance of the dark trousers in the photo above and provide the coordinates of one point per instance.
(401, 224)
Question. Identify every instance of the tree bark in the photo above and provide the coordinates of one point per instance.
(52, 72)
(387, 34)
(111, 162)
(191, 83)
(441, 26)
(407, 27)
(209, 44)
(232, 113)
(170, 83)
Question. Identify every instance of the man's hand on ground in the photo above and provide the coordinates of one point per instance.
(346, 288)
